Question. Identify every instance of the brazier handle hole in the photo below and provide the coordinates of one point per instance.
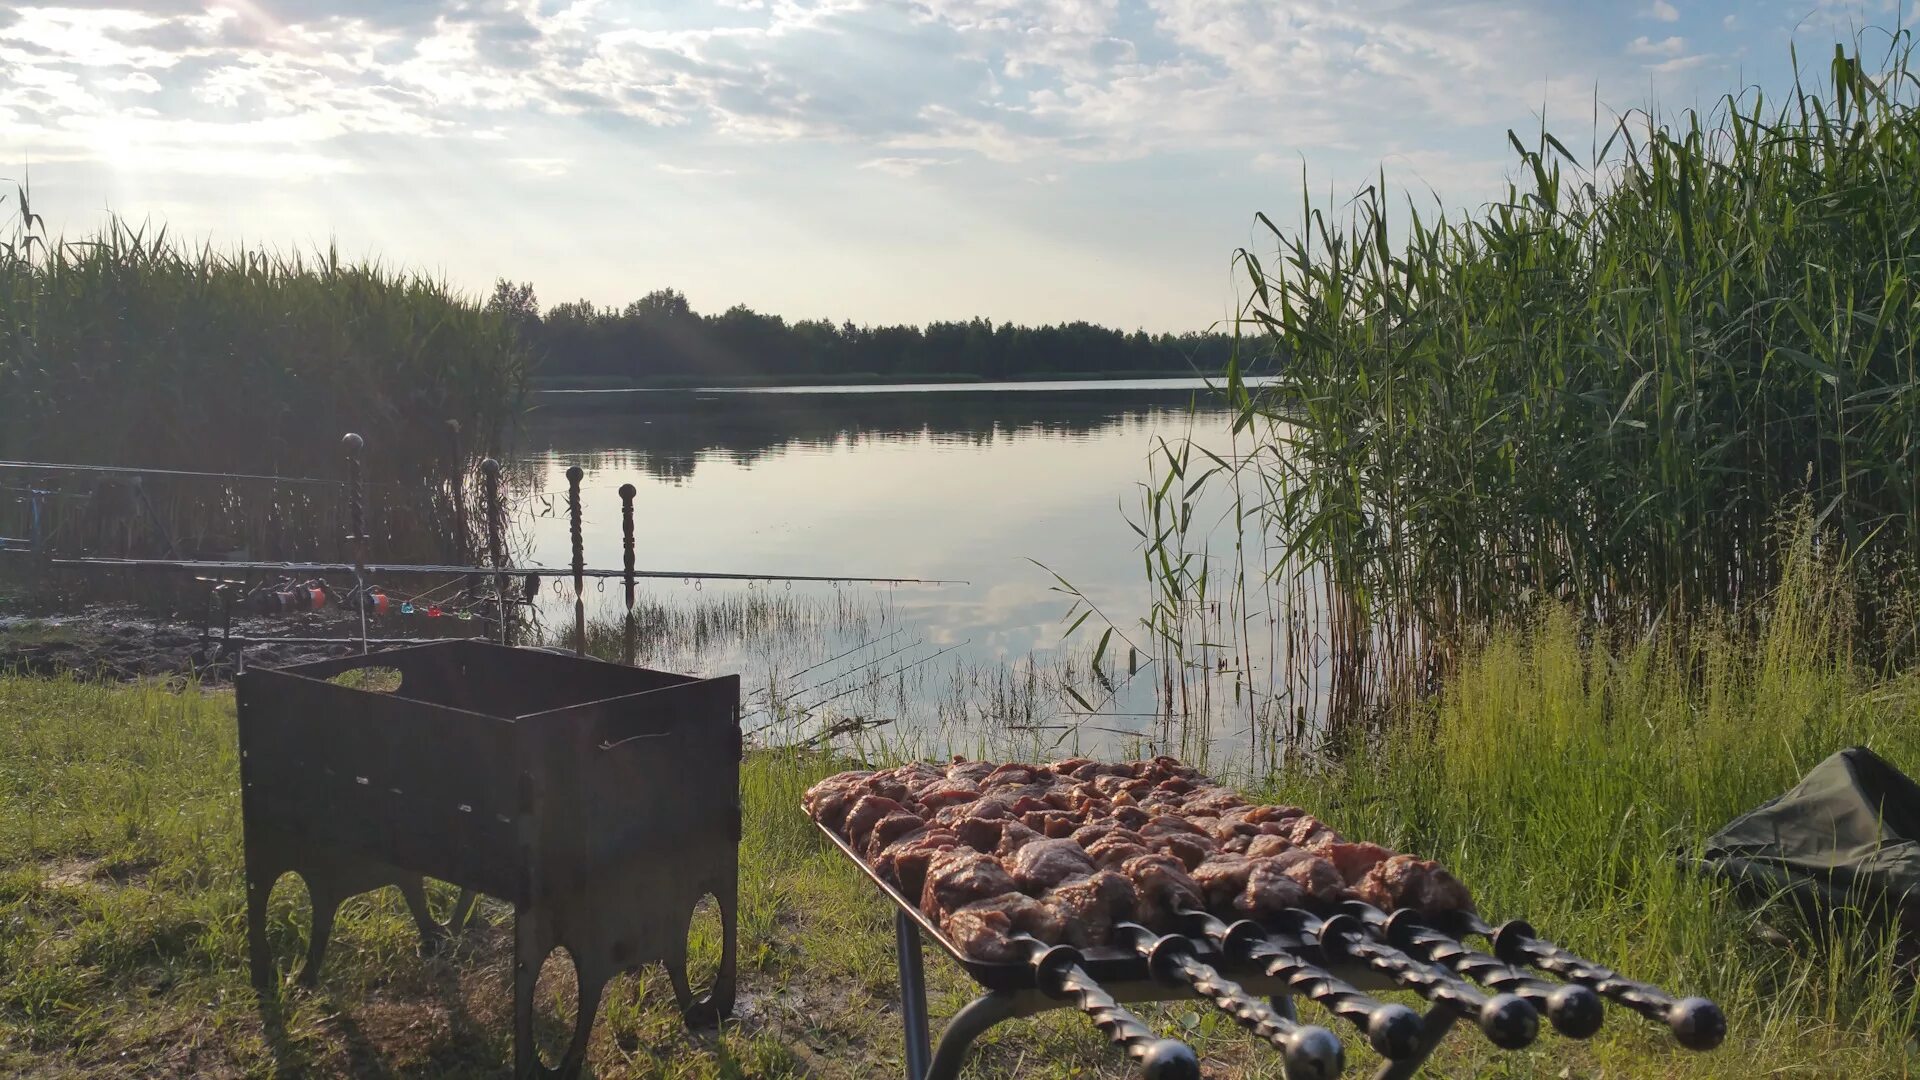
(556, 1007)
(289, 922)
(705, 942)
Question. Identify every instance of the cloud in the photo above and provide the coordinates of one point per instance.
(1669, 46)
(904, 166)
(543, 166)
(690, 170)
(1662, 11)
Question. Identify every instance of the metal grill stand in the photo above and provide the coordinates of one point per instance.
(601, 801)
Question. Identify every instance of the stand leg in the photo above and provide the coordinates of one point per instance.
(913, 995)
(1433, 1027)
(980, 1014)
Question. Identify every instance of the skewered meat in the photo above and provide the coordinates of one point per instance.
(1043, 864)
(1061, 851)
(904, 862)
(1191, 850)
(936, 797)
(1317, 877)
(1162, 886)
(1013, 776)
(984, 929)
(1264, 846)
(1013, 837)
(1268, 890)
(1090, 906)
(1405, 881)
(961, 876)
(1167, 823)
(829, 800)
(1087, 835)
(866, 814)
(891, 828)
(1222, 879)
(971, 771)
(1113, 850)
(1352, 860)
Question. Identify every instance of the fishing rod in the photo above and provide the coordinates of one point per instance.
(391, 569)
(128, 470)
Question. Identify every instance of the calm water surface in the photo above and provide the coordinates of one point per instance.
(974, 484)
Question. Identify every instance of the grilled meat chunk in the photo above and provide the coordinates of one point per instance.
(1191, 850)
(1268, 890)
(984, 929)
(1042, 864)
(1111, 851)
(960, 876)
(828, 801)
(904, 862)
(1089, 906)
(890, 828)
(1162, 886)
(1353, 861)
(1317, 878)
(865, 815)
(936, 797)
(1405, 881)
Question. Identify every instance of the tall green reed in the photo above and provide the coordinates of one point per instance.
(130, 348)
(1604, 390)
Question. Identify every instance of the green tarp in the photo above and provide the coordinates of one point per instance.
(1847, 837)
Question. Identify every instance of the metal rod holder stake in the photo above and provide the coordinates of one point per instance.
(627, 492)
(357, 520)
(490, 479)
(574, 473)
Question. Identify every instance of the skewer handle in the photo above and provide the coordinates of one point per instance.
(1059, 974)
(1504, 1019)
(1394, 1031)
(1574, 1010)
(1310, 1052)
(1697, 1023)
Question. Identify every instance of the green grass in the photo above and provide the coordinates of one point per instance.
(1561, 779)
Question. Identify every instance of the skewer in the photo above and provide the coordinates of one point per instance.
(1057, 971)
(1310, 1052)
(1697, 1023)
(1504, 1019)
(1574, 1010)
(1394, 1031)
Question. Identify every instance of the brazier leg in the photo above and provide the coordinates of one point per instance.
(259, 951)
(432, 934)
(326, 904)
(592, 983)
(529, 950)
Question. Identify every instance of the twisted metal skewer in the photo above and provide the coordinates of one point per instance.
(1310, 1052)
(1574, 1010)
(1394, 1031)
(1504, 1019)
(1697, 1023)
(1058, 973)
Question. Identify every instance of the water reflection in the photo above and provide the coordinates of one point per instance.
(975, 487)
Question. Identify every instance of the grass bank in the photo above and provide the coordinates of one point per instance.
(1562, 779)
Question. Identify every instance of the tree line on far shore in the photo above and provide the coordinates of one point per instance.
(659, 338)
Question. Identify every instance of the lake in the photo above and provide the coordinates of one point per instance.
(978, 485)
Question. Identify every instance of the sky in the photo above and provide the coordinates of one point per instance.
(1026, 160)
